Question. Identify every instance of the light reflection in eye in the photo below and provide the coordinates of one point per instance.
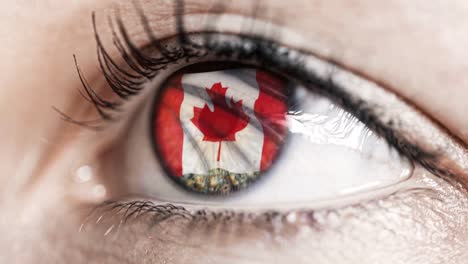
(220, 131)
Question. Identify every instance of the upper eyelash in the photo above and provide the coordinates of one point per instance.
(123, 83)
(126, 84)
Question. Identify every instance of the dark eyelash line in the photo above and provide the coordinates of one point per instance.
(156, 214)
(224, 226)
(164, 211)
(266, 53)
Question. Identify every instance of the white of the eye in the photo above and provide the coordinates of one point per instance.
(329, 154)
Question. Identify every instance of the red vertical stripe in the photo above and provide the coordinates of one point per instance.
(168, 132)
(270, 109)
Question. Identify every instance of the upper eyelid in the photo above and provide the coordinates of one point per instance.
(448, 156)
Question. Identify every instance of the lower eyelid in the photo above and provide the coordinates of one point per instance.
(399, 215)
(421, 184)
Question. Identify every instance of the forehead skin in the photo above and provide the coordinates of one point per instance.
(416, 48)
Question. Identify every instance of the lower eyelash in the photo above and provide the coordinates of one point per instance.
(115, 215)
(163, 212)
(169, 223)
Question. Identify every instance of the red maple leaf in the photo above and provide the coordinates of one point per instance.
(224, 121)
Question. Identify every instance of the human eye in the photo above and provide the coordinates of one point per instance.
(213, 121)
(241, 129)
(228, 129)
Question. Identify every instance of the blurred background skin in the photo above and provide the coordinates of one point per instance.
(417, 48)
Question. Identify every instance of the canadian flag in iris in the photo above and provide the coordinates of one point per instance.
(231, 119)
(224, 121)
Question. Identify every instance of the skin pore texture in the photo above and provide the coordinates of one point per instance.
(415, 49)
